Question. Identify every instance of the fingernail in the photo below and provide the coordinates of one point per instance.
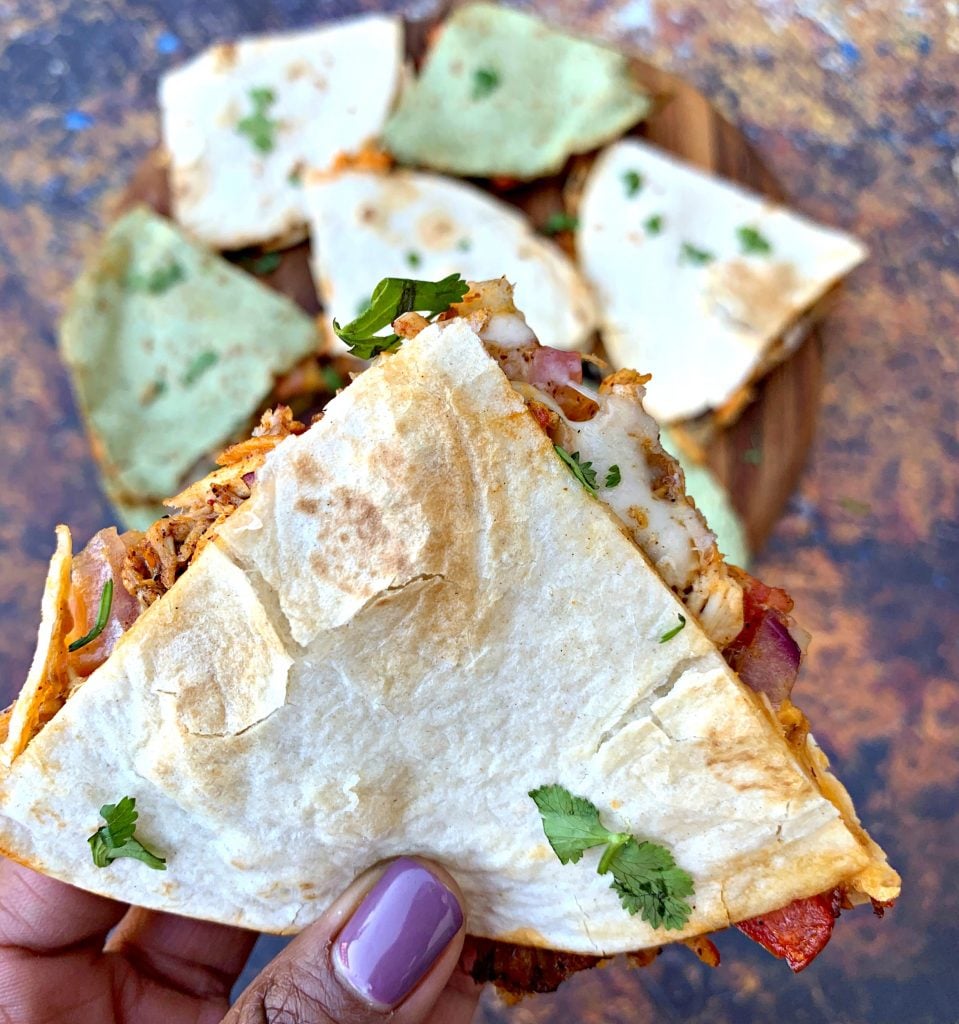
(405, 921)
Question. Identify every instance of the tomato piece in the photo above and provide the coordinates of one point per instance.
(797, 933)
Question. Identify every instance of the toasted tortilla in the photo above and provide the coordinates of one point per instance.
(171, 350)
(234, 181)
(503, 94)
(410, 224)
(418, 617)
(680, 297)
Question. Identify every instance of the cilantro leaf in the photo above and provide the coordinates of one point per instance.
(257, 126)
(115, 839)
(632, 182)
(559, 221)
(199, 366)
(648, 882)
(613, 477)
(670, 633)
(583, 471)
(653, 224)
(392, 297)
(264, 264)
(645, 875)
(413, 258)
(332, 378)
(485, 81)
(158, 280)
(103, 614)
(752, 242)
(571, 823)
(688, 253)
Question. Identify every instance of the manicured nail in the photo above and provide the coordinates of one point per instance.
(406, 920)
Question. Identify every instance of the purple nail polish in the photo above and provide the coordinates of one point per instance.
(406, 920)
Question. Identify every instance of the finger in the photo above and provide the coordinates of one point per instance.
(198, 958)
(385, 950)
(43, 915)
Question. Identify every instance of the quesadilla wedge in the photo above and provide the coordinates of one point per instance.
(705, 285)
(503, 94)
(164, 341)
(243, 121)
(434, 622)
(406, 222)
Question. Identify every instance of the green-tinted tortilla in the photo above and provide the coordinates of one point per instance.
(502, 94)
(714, 503)
(172, 350)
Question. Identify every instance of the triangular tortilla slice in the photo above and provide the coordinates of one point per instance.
(502, 93)
(244, 120)
(698, 280)
(418, 617)
(410, 224)
(165, 345)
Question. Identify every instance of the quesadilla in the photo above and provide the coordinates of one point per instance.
(504, 94)
(451, 612)
(243, 122)
(164, 341)
(698, 280)
(408, 222)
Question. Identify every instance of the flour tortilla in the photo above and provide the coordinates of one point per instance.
(419, 616)
(332, 89)
(171, 350)
(503, 94)
(410, 224)
(703, 331)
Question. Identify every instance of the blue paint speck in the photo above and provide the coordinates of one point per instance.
(77, 121)
(849, 51)
(167, 42)
(924, 45)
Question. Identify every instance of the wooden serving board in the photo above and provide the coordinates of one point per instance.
(760, 457)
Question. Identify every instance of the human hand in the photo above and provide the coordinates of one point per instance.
(386, 949)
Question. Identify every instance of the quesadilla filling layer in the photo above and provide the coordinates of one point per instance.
(614, 445)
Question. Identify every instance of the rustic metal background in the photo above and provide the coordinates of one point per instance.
(854, 107)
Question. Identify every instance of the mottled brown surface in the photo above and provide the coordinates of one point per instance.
(855, 114)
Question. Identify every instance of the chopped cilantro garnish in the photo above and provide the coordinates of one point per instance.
(413, 258)
(158, 280)
(485, 81)
(632, 182)
(670, 633)
(464, 245)
(613, 477)
(264, 264)
(560, 221)
(752, 242)
(199, 366)
(103, 614)
(392, 297)
(645, 875)
(653, 225)
(257, 126)
(688, 253)
(583, 471)
(115, 839)
(332, 379)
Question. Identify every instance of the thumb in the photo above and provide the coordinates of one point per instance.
(385, 950)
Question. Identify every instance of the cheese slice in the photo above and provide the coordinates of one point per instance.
(697, 279)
